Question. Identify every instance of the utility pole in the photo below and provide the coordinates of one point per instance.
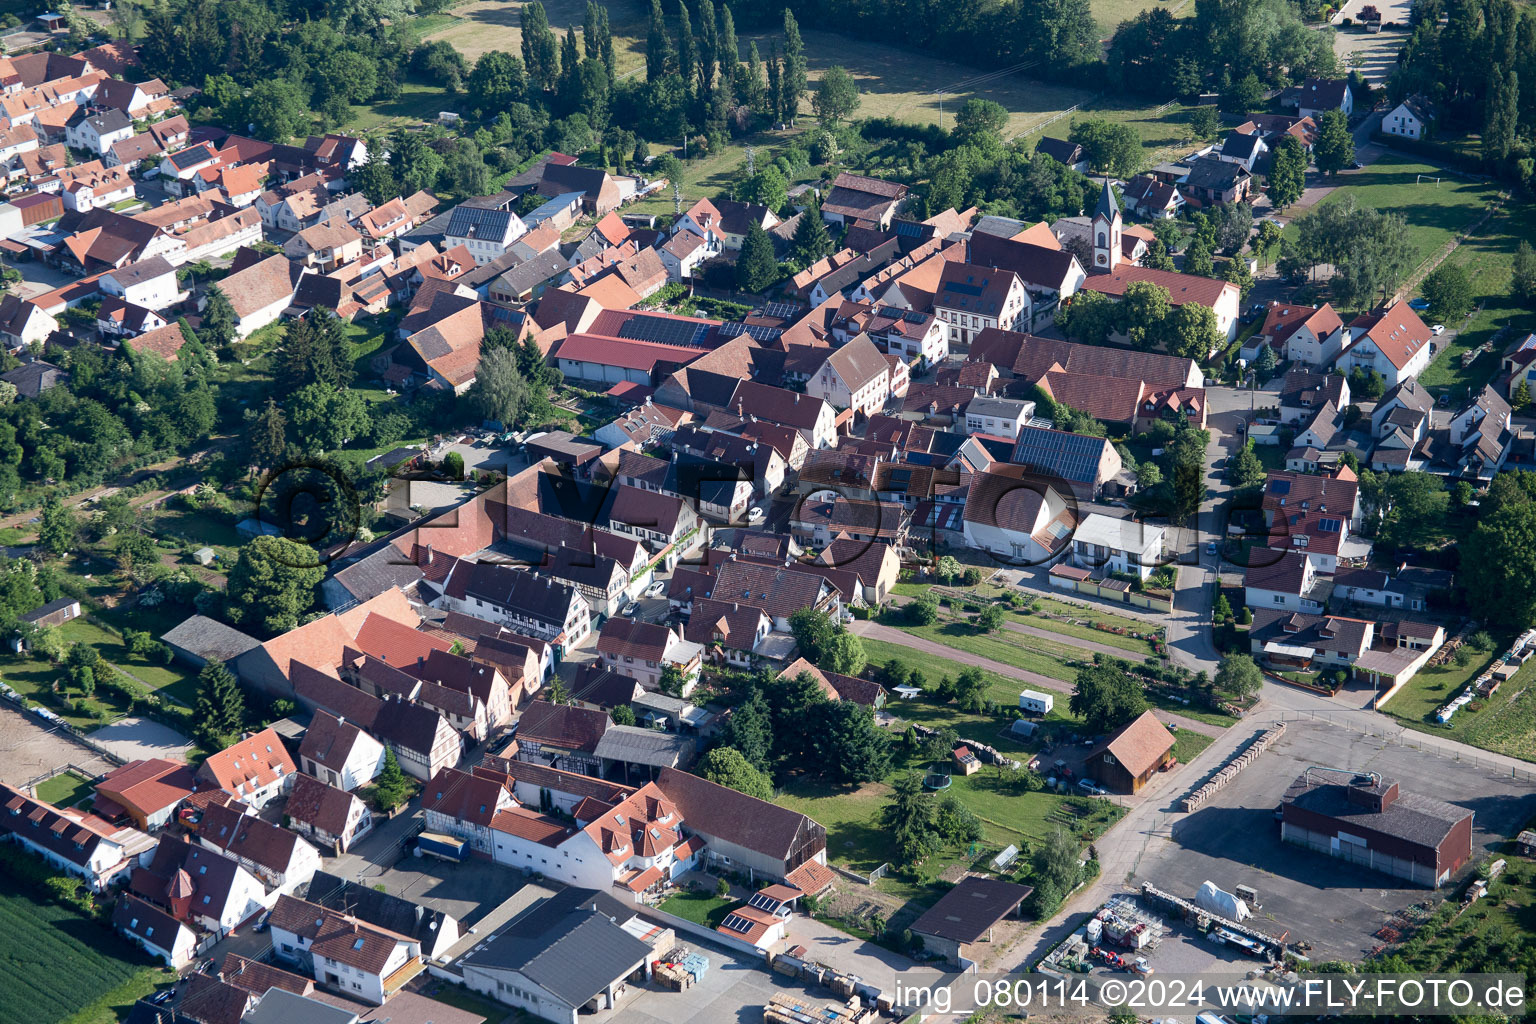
(677, 199)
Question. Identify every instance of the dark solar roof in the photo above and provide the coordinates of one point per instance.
(478, 222)
(736, 923)
(785, 310)
(1073, 457)
(757, 332)
(665, 330)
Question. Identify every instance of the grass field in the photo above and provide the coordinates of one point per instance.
(481, 25)
(1188, 743)
(57, 966)
(1434, 214)
(1505, 724)
(1487, 257)
(699, 907)
(65, 790)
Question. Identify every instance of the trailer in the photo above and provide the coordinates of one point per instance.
(436, 844)
(1033, 702)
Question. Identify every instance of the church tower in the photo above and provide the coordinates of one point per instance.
(1106, 232)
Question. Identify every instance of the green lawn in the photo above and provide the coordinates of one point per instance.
(65, 790)
(418, 101)
(1089, 613)
(1188, 743)
(699, 907)
(1434, 214)
(1028, 653)
(1505, 723)
(59, 966)
(1487, 259)
(1132, 645)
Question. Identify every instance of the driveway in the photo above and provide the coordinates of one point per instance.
(134, 739)
(38, 277)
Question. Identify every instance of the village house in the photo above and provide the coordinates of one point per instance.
(1393, 342)
(644, 650)
(99, 853)
(332, 817)
(1131, 755)
(1414, 118)
(342, 953)
(855, 376)
(277, 856)
(971, 298)
(255, 770)
(856, 197)
(146, 792)
(340, 753)
(200, 887)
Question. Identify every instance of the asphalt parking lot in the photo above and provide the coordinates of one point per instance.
(465, 891)
(1235, 840)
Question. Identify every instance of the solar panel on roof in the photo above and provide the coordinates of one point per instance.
(1279, 487)
(757, 332)
(1328, 525)
(762, 902)
(664, 330)
(784, 310)
(737, 924)
(908, 228)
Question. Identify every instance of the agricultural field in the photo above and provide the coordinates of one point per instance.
(481, 25)
(58, 966)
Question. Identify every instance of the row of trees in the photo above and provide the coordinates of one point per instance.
(1476, 60)
(1370, 251)
(1239, 47)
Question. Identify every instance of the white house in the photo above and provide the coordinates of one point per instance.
(972, 298)
(149, 283)
(1011, 514)
(1282, 579)
(1105, 544)
(1000, 417)
(23, 322)
(96, 133)
(153, 930)
(1411, 119)
(340, 753)
(202, 887)
(1394, 342)
(280, 858)
(683, 252)
(486, 232)
(255, 770)
(462, 804)
(342, 953)
(855, 377)
(330, 816)
(71, 840)
(528, 603)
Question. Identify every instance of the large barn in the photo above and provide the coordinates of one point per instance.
(1367, 820)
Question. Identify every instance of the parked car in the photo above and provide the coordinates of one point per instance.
(1090, 787)
(1418, 305)
(261, 923)
(755, 514)
(631, 608)
(1210, 548)
(656, 589)
(162, 996)
(1437, 330)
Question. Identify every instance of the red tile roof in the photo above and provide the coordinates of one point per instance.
(252, 763)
